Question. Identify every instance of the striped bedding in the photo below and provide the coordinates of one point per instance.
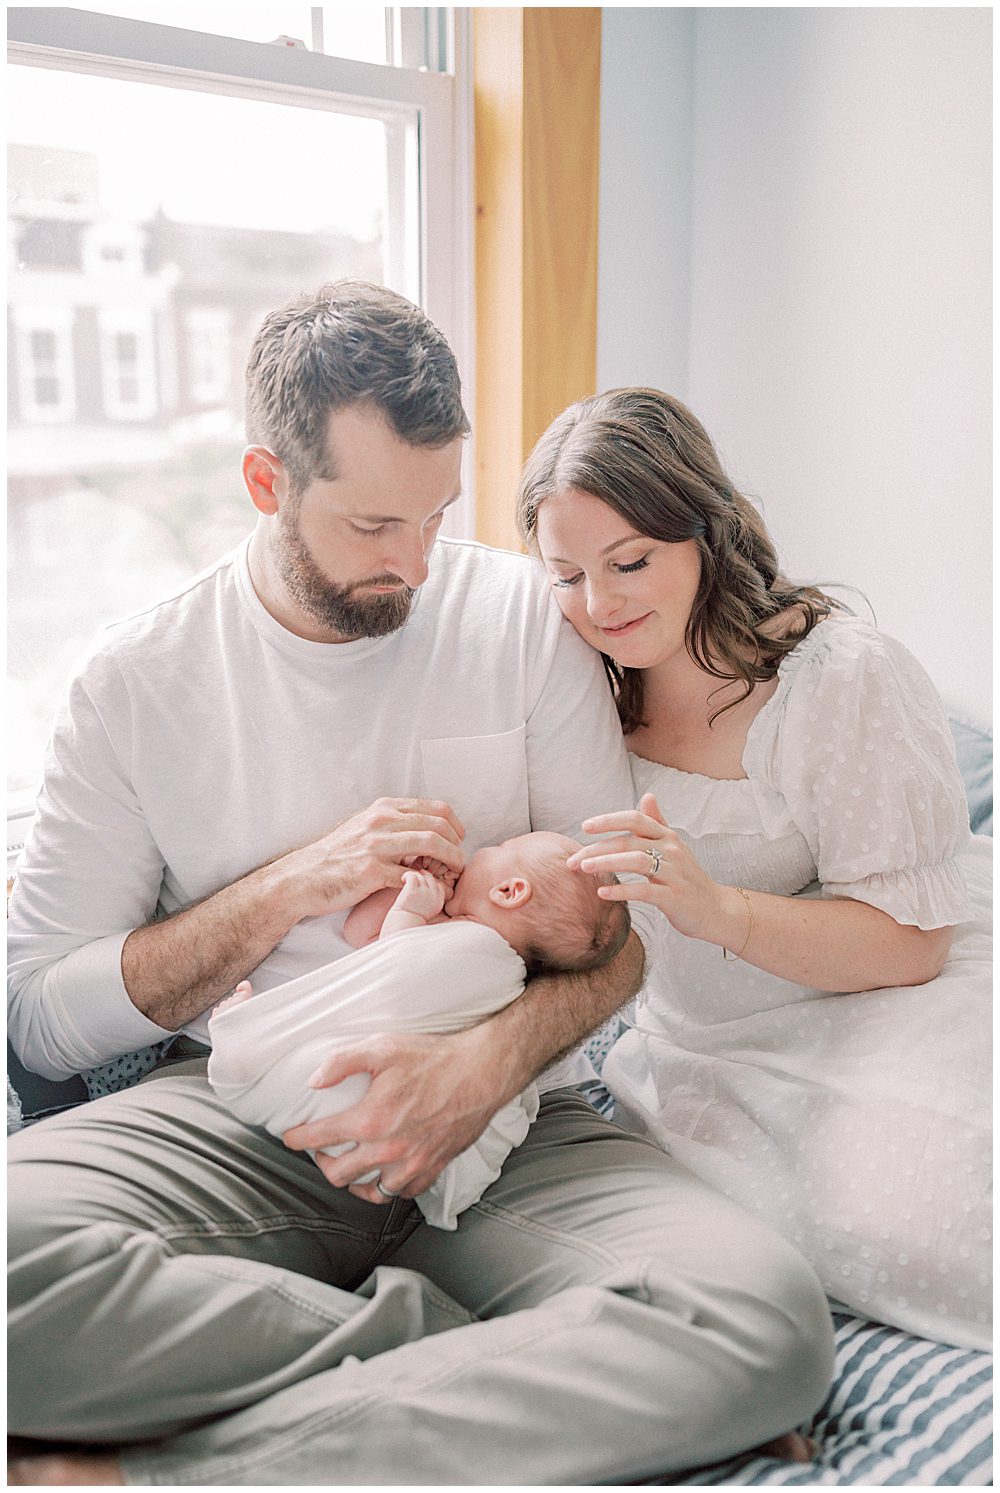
(903, 1412)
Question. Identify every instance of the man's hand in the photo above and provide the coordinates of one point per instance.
(370, 851)
(429, 1099)
(444, 873)
(432, 1096)
(177, 967)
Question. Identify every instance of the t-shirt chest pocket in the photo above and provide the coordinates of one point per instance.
(485, 779)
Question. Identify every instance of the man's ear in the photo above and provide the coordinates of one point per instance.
(266, 479)
(511, 894)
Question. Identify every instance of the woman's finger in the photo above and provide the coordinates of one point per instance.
(618, 844)
(627, 821)
(638, 862)
(648, 805)
(634, 891)
(588, 853)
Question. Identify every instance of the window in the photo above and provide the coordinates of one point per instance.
(364, 32)
(43, 354)
(109, 248)
(168, 184)
(126, 359)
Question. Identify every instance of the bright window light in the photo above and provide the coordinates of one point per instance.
(149, 230)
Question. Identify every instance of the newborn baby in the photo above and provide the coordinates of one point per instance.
(429, 958)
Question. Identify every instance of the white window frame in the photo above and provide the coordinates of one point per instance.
(59, 321)
(415, 101)
(111, 321)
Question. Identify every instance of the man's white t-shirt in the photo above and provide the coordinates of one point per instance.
(202, 739)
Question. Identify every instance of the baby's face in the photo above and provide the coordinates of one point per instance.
(497, 864)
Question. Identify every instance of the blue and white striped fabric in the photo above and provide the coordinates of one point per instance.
(903, 1412)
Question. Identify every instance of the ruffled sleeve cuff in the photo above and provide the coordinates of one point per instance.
(923, 897)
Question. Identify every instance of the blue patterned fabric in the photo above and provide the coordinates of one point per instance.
(122, 1073)
(903, 1412)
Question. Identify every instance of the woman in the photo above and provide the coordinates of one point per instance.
(813, 1034)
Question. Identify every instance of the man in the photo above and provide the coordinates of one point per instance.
(236, 767)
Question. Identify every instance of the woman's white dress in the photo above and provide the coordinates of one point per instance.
(857, 1125)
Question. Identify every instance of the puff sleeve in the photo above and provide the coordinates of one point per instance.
(859, 747)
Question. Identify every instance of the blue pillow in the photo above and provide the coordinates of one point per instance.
(974, 750)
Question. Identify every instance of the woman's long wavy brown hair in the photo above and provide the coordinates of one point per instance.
(645, 455)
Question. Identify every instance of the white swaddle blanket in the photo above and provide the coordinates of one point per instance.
(437, 979)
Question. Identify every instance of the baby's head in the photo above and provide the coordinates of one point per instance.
(551, 915)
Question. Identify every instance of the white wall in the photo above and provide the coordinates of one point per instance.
(835, 301)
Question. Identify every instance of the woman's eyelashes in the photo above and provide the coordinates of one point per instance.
(571, 580)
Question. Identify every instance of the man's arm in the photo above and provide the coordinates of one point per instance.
(431, 1097)
(176, 969)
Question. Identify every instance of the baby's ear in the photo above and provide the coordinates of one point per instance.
(510, 894)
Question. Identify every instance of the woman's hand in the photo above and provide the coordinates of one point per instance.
(645, 844)
(835, 944)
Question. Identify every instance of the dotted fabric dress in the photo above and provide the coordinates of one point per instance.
(856, 1125)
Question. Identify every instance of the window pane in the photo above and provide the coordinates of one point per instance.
(135, 285)
(355, 31)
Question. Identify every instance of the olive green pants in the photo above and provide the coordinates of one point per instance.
(191, 1290)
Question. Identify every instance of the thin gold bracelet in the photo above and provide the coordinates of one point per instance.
(732, 958)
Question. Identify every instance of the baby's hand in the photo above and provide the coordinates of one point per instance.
(242, 993)
(422, 894)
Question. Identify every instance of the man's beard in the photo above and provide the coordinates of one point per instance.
(339, 608)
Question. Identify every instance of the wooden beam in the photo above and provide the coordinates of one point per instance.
(537, 128)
